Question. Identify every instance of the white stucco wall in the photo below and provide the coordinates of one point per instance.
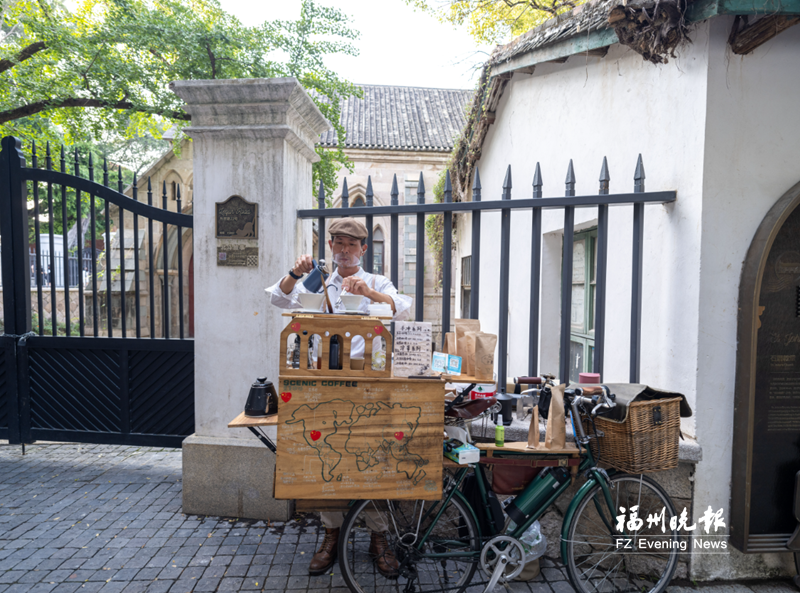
(722, 130)
(584, 110)
(751, 159)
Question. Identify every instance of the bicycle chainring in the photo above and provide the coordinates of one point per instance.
(505, 545)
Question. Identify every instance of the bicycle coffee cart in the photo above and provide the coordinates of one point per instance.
(375, 441)
(347, 428)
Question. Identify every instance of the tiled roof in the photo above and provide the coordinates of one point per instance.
(402, 118)
(583, 19)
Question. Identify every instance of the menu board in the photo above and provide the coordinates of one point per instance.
(412, 348)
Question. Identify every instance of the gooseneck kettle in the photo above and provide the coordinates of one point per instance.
(262, 399)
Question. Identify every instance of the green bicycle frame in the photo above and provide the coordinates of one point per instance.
(454, 491)
(587, 465)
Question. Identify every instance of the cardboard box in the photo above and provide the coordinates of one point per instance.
(461, 453)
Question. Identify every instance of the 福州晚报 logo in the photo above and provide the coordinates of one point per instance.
(662, 530)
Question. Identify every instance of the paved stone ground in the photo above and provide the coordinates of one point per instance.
(107, 519)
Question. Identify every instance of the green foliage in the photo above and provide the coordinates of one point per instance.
(434, 229)
(495, 21)
(103, 69)
(47, 326)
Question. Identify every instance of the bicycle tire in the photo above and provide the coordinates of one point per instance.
(599, 560)
(456, 525)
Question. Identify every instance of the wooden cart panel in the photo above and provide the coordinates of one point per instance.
(346, 328)
(359, 438)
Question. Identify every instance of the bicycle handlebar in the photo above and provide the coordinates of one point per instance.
(528, 380)
(601, 397)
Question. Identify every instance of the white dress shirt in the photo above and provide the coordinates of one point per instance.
(382, 284)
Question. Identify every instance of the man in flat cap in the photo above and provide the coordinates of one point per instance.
(348, 244)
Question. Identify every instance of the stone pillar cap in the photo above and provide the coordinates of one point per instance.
(249, 105)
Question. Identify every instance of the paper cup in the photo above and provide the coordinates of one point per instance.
(356, 364)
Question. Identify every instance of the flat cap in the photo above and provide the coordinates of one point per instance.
(348, 226)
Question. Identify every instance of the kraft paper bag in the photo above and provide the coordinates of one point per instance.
(449, 343)
(466, 350)
(463, 326)
(555, 437)
(484, 356)
(533, 430)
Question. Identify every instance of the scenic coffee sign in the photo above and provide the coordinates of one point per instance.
(236, 218)
(766, 444)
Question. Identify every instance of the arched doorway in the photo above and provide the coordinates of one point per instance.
(766, 437)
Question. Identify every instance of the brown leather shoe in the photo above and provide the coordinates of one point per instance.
(327, 553)
(383, 556)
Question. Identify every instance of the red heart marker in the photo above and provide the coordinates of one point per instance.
(315, 434)
(286, 396)
(378, 329)
(295, 326)
(399, 435)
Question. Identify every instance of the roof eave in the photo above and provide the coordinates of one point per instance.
(564, 48)
(582, 42)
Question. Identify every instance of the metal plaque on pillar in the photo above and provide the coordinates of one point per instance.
(766, 444)
(236, 222)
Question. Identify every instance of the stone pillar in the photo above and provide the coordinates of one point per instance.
(253, 138)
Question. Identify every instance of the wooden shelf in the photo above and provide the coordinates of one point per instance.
(242, 421)
(522, 447)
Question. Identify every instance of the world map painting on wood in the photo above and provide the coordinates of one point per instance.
(359, 439)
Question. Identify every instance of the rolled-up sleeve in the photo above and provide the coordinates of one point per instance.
(402, 303)
(285, 301)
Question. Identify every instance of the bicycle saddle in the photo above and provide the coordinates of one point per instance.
(471, 409)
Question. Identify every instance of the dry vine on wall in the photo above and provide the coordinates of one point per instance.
(652, 28)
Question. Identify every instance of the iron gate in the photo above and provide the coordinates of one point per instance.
(117, 367)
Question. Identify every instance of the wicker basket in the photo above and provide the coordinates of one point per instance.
(646, 441)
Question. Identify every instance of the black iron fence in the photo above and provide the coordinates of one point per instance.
(125, 288)
(98, 377)
(505, 205)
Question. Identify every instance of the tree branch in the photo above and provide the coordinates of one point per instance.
(213, 61)
(553, 9)
(26, 53)
(160, 57)
(39, 106)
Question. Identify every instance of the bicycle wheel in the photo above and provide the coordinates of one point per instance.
(602, 560)
(421, 569)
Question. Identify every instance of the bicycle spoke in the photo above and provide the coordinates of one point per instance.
(420, 569)
(602, 560)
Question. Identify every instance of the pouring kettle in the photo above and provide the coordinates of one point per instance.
(313, 281)
(262, 399)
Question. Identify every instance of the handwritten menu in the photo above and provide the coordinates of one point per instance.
(412, 348)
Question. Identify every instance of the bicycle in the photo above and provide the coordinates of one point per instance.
(439, 545)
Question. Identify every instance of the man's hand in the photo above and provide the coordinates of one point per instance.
(357, 286)
(303, 265)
